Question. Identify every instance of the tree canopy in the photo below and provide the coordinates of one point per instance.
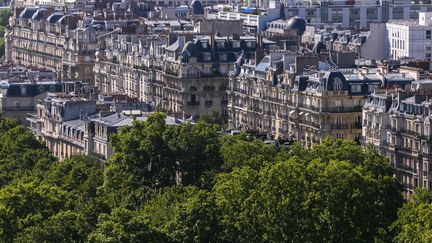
(189, 183)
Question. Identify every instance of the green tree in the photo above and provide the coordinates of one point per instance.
(239, 151)
(24, 205)
(414, 223)
(5, 14)
(80, 176)
(64, 226)
(322, 194)
(184, 214)
(141, 161)
(21, 155)
(196, 149)
(151, 155)
(123, 225)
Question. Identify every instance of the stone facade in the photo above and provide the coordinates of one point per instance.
(186, 78)
(397, 123)
(307, 107)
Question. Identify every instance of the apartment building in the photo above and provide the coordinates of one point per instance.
(183, 74)
(410, 38)
(270, 97)
(397, 123)
(349, 14)
(44, 38)
(71, 124)
(19, 98)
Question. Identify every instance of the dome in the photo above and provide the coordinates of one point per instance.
(298, 24)
(197, 7)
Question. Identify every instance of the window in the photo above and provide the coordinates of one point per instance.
(223, 57)
(371, 88)
(355, 88)
(220, 44)
(236, 44)
(207, 57)
(428, 34)
(338, 121)
(337, 84)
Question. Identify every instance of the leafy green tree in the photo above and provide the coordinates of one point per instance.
(5, 14)
(64, 226)
(151, 155)
(24, 205)
(184, 214)
(81, 176)
(196, 149)
(123, 225)
(21, 154)
(414, 223)
(141, 161)
(319, 194)
(239, 151)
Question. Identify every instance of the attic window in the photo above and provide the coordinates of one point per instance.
(220, 44)
(23, 90)
(337, 84)
(356, 88)
(250, 44)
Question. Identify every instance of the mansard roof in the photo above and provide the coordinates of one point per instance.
(27, 13)
(53, 18)
(38, 15)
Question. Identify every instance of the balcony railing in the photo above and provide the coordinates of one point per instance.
(343, 109)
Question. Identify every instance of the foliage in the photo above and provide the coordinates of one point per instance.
(320, 194)
(188, 183)
(237, 151)
(21, 155)
(414, 223)
(151, 155)
(5, 14)
(123, 225)
(25, 205)
(184, 214)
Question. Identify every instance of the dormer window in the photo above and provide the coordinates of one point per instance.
(236, 44)
(337, 84)
(204, 45)
(356, 88)
(220, 44)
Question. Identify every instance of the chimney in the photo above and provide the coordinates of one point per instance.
(259, 55)
(181, 40)
(213, 45)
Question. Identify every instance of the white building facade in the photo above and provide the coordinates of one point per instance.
(411, 39)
